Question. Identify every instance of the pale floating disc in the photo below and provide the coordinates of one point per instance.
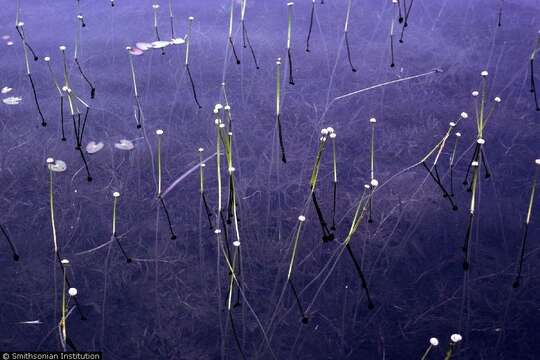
(5, 37)
(92, 147)
(136, 51)
(12, 100)
(178, 41)
(143, 46)
(9, 43)
(58, 166)
(6, 89)
(160, 44)
(124, 145)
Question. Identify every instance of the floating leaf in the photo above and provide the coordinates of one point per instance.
(124, 145)
(12, 100)
(92, 147)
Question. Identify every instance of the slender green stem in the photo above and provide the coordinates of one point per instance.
(51, 206)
